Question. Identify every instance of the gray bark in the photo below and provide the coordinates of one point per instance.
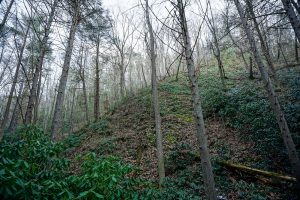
(97, 82)
(5, 17)
(57, 117)
(12, 89)
(122, 77)
(159, 143)
(290, 12)
(82, 77)
(16, 113)
(143, 73)
(287, 138)
(208, 176)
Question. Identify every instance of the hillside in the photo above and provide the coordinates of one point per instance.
(115, 157)
(127, 131)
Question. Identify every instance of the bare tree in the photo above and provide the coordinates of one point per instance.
(159, 145)
(290, 12)
(5, 17)
(287, 138)
(122, 40)
(261, 39)
(208, 176)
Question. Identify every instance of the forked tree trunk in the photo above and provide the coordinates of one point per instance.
(159, 143)
(208, 176)
(57, 117)
(13, 86)
(33, 97)
(287, 138)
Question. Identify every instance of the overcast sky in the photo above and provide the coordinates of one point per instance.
(116, 4)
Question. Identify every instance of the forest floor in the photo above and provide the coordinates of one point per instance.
(127, 131)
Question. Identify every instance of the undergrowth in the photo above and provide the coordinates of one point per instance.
(34, 167)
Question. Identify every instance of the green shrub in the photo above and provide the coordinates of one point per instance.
(27, 162)
(100, 127)
(34, 167)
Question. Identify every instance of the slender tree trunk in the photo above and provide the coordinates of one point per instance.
(217, 54)
(12, 89)
(85, 98)
(97, 83)
(144, 77)
(261, 39)
(84, 88)
(72, 110)
(287, 138)
(33, 97)
(122, 77)
(5, 67)
(296, 50)
(2, 50)
(208, 176)
(16, 113)
(290, 12)
(159, 143)
(37, 101)
(5, 17)
(251, 68)
(240, 49)
(57, 117)
(51, 110)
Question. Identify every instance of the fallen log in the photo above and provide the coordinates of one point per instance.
(257, 171)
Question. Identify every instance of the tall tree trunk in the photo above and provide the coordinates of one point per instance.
(261, 39)
(159, 143)
(12, 89)
(57, 117)
(85, 98)
(122, 77)
(5, 17)
(84, 89)
(33, 97)
(290, 12)
(287, 138)
(2, 50)
(16, 113)
(208, 176)
(143, 73)
(217, 53)
(296, 50)
(97, 82)
(251, 68)
(72, 110)
(38, 97)
(5, 67)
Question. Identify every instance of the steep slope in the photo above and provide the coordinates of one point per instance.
(127, 131)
